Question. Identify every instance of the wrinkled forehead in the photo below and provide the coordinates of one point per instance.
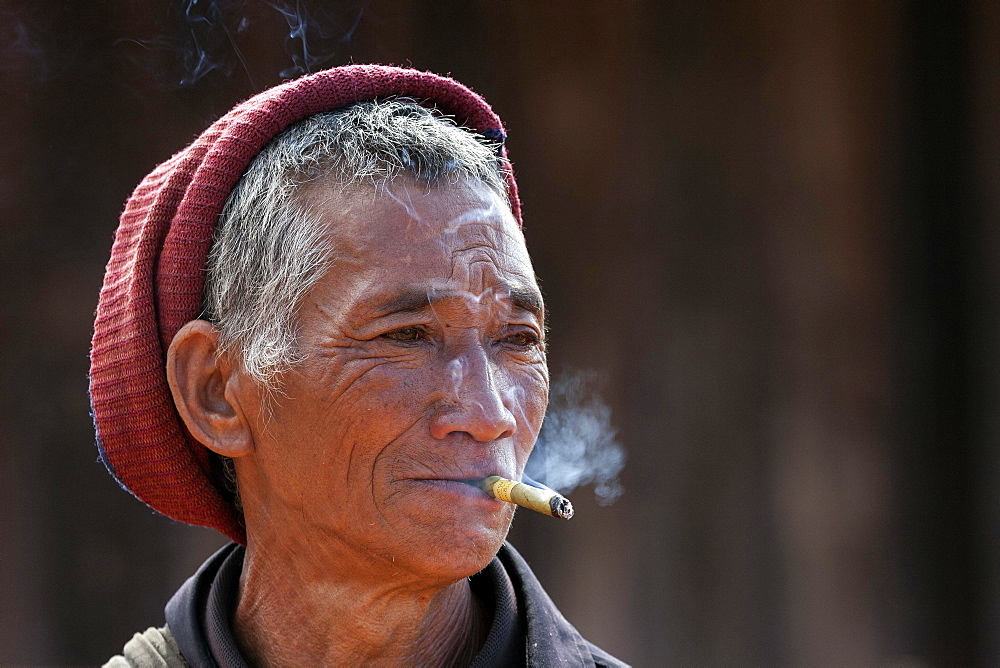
(459, 236)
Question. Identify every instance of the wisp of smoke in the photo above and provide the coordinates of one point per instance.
(577, 444)
(206, 35)
(305, 29)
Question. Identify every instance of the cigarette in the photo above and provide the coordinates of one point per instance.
(539, 498)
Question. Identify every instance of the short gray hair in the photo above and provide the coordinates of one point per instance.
(270, 248)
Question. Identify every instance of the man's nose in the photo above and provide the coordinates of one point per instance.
(475, 405)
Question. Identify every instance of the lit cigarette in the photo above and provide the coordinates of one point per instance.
(540, 499)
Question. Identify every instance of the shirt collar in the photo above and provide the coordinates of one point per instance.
(199, 615)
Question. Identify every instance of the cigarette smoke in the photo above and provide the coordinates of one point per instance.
(577, 444)
(207, 35)
(456, 369)
(304, 26)
(203, 20)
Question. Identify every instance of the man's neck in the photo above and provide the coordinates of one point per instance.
(288, 615)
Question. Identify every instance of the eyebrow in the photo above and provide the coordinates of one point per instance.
(412, 301)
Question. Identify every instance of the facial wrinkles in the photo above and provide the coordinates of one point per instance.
(400, 191)
(515, 398)
(483, 209)
(483, 260)
(464, 309)
(489, 212)
(484, 313)
(340, 365)
(477, 266)
(480, 257)
(487, 311)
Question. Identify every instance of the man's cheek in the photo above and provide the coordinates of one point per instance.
(370, 434)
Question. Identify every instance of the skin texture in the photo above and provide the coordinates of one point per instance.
(422, 364)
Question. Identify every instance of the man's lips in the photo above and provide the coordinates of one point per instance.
(471, 475)
(466, 487)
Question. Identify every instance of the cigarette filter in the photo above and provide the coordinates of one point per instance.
(545, 501)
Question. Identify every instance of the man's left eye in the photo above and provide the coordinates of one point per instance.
(522, 339)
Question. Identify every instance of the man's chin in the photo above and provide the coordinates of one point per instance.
(453, 550)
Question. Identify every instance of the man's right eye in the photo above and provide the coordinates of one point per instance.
(405, 335)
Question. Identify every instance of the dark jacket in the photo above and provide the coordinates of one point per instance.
(527, 629)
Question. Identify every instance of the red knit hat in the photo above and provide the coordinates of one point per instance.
(154, 280)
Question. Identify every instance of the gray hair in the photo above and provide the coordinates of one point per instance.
(270, 248)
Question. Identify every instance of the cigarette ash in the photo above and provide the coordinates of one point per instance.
(561, 507)
(577, 444)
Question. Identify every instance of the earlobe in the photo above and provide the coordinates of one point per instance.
(205, 387)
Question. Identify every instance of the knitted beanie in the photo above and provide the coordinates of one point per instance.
(154, 279)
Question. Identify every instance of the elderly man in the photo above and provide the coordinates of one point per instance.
(318, 325)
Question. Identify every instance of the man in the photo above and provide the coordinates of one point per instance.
(318, 324)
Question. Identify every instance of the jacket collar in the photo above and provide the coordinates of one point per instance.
(198, 614)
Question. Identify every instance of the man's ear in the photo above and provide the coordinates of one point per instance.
(205, 389)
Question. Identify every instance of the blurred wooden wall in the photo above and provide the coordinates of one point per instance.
(768, 226)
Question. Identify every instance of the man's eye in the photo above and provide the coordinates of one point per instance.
(406, 334)
(523, 339)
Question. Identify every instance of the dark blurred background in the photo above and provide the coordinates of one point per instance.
(768, 226)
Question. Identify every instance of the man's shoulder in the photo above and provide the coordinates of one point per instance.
(604, 660)
(153, 648)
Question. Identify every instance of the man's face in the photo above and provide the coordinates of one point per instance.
(423, 364)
